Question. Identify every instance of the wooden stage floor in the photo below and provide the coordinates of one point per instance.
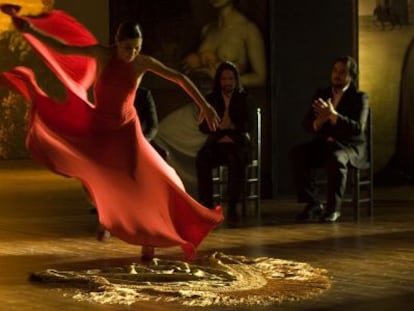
(45, 223)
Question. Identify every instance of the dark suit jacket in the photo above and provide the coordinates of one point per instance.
(147, 112)
(239, 113)
(349, 131)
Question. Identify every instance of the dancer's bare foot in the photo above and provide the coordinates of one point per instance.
(147, 253)
(102, 234)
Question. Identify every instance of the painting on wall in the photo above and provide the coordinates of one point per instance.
(193, 36)
(386, 57)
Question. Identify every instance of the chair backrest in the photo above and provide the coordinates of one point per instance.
(251, 188)
(368, 135)
(256, 137)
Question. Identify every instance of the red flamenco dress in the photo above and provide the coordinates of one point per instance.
(139, 197)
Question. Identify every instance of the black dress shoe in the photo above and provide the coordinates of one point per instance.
(311, 212)
(331, 216)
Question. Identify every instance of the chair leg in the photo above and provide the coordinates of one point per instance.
(244, 193)
(258, 207)
(244, 200)
(250, 195)
(356, 193)
(371, 207)
(219, 180)
(371, 196)
(223, 181)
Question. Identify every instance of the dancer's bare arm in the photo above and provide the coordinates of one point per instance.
(96, 51)
(207, 112)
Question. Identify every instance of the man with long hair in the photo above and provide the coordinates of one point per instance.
(229, 144)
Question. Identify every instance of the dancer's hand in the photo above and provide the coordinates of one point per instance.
(10, 9)
(210, 115)
(21, 24)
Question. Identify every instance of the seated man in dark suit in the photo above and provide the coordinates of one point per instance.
(337, 117)
(230, 144)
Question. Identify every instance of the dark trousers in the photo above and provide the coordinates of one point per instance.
(332, 156)
(231, 155)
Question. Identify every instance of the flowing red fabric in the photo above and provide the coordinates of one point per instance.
(139, 197)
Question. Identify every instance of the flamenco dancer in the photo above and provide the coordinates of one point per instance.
(139, 197)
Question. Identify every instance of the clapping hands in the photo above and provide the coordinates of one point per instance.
(323, 110)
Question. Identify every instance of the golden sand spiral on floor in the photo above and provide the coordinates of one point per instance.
(218, 279)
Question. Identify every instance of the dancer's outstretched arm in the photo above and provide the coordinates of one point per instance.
(207, 112)
(24, 26)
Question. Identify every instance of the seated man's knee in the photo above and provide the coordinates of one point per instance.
(338, 158)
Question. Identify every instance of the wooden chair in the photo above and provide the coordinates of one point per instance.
(360, 181)
(363, 177)
(250, 195)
